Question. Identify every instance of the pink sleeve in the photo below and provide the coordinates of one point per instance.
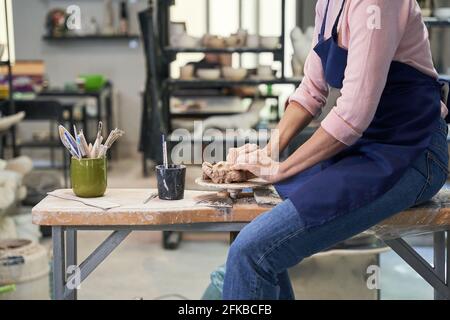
(313, 91)
(371, 51)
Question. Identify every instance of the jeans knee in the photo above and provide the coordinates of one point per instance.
(242, 250)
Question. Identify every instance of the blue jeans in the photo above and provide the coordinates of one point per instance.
(259, 258)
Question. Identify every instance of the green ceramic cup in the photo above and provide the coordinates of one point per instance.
(89, 177)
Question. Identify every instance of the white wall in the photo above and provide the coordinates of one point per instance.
(123, 65)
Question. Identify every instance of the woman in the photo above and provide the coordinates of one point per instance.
(381, 150)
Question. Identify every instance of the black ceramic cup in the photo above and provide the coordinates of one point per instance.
(171, 182)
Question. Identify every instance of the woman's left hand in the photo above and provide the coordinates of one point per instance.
(261, 165)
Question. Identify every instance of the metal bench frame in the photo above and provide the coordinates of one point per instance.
(65, 254)
(437, 275)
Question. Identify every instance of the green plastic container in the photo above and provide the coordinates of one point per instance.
(93, 82)
(89, 177)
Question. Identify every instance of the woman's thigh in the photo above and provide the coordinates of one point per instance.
(279, 239)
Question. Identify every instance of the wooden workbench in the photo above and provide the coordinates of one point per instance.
(133, 212)
(67, 217)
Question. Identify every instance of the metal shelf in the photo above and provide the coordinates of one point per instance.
(172, 50)
(201, 115)
(435, 22)
(198, 83)
(208, 95)
(92, 37)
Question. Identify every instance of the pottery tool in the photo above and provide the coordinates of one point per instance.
(69, 142)
(99, 130)
(102, 151)
(98, 141)
(79, 147)
(113, 136)
(96, 148)
(151, 197)
(73, 144)
(164, 147)
(215, 200)
(83, 143)
(75, 132)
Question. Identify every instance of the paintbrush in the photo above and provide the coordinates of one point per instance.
(164, 147)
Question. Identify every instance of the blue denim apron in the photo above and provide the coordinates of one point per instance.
(407, 114)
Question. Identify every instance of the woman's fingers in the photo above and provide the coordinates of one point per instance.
(234, 153)
(253, 169)
(250, 147)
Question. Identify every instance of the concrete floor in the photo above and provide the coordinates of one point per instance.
(140, 268)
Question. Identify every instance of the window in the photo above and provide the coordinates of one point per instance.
(6, 7)
(222, 18)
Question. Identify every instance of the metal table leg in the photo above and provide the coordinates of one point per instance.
(71, 255)
(434, 275)
(439, 260)
(94, 259)
(58, 263)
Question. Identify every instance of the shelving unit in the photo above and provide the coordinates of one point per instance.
(435, 22)
(161, 87)
(11, 106)
(91, 38)
(171, 50)
(171, 85)
(198, 83)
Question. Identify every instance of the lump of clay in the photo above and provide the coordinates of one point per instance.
(222, 173)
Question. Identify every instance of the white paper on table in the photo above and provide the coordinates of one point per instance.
(92, 202)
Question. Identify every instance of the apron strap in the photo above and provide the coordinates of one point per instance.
(336, 23)
(324, 24)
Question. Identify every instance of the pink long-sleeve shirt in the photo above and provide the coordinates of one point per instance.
(398, 35)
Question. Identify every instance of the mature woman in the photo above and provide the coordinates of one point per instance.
(381, 150)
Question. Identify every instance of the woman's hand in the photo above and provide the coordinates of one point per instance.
(234, 153)
(260, 164)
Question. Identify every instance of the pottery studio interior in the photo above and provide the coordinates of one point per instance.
(224, 150)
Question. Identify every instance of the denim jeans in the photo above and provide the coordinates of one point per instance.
(265, 249)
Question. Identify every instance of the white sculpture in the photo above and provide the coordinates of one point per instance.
(11, 187)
